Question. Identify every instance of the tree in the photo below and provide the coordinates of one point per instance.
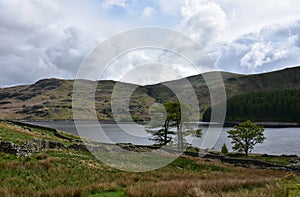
(170, 116)
(265, 106)
(224, 149)
(159, 119)
(245, 135)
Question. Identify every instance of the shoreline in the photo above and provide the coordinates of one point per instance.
(268, 124)
(226, 124)
(31, 124)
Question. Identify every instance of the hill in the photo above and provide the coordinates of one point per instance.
(51, 99)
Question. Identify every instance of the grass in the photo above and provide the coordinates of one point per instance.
(276, 160)
(280, 160)
(20, 135)
(193, 165)
(79, 173)
(109, 194)
(69, 135)
(14, 133)
(71, 173)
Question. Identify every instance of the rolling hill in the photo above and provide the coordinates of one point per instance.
(51, 99)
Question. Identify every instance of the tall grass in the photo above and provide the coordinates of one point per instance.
(76, 173)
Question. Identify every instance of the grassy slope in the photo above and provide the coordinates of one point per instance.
(51, 99)
(78, 173)
(20, 135)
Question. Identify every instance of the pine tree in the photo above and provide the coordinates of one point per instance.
(224, 149)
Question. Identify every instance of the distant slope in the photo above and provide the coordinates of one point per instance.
(51, 99)
(265, 106)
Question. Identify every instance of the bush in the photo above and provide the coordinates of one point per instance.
(224, 149)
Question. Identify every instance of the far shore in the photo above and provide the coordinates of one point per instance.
(268, 124)
(226, 124)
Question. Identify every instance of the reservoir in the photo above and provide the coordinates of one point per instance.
(279, 140)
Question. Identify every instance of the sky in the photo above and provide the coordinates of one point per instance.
(50, 38)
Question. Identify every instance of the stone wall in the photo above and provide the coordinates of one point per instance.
(250, 162)
(28, 148)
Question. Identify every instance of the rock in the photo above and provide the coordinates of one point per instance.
(8, 147)
(56, 145)
(294, 165)
(80, 147)
(28, 148)
(295, 160)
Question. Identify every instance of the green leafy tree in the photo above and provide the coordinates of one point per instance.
(245, 136)
(224, 149)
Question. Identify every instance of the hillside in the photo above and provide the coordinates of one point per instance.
(263, 106)
(51, 99)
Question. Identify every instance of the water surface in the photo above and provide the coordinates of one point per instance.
(279, 140)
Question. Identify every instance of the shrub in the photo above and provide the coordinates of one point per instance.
(224, 149)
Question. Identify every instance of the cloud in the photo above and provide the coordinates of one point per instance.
(148, 11)
(170, 8)
(274, 47)
(204, 21)
(49, 38)
(148, 66)
(114, 3)
(44, 55)
(71, 50)
(25, 15)
(251, 16)
(262, 53)
(34, 47)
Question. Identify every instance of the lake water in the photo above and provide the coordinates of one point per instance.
(279, 140)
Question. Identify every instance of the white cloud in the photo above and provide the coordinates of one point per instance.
(262, 53)
(149, 66)
(23, 15)
(168, 8)
(251, 16)
(148, 11)
(274, 47)
(203, 21)
(49, 38)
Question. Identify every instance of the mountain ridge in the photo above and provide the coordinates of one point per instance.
(51, 99)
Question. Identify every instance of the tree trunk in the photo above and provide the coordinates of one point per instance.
(166, 132)
(181, 136)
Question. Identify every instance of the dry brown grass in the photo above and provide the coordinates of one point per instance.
(237, 182)
(73, 173)
(41, 156)
(44, 164)
(20, 129)
(221, 187)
